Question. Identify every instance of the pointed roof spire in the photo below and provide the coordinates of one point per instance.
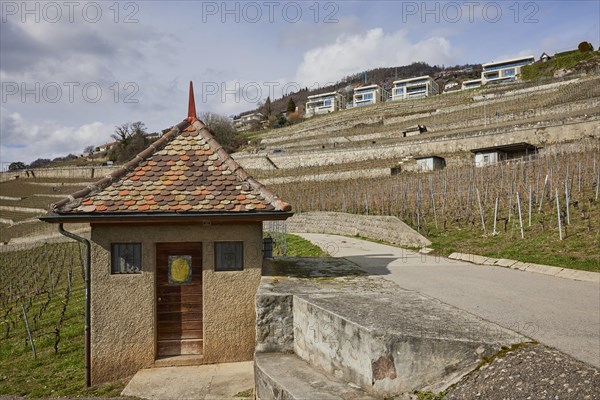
(191, 106)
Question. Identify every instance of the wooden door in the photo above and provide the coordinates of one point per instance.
(179, 298)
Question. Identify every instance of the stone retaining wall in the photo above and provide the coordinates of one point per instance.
(389, 229)
(538, 136)
(92, 173)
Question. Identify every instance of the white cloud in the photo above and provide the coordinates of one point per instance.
(304, 34)
(354, 53)
(25, 141)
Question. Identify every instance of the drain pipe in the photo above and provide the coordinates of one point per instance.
(86, 267)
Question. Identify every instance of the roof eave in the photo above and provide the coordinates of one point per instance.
(56, 218)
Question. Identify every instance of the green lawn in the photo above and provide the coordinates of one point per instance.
(579, 250)
(566, 60)
(298, 247)
(295, 246)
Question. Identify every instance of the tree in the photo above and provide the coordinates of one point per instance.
(125, 132)
(267, 108)
(132, 140)
(89, 150)
(291, 106)
(135, 145)
(40, 162)
(222, 129)
(584, 47)
(17, 165)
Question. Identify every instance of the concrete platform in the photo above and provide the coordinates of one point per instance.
(285, 376)
(369, 331)
(203, 382)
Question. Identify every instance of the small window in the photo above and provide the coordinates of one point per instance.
(126, 258)
(229, 256)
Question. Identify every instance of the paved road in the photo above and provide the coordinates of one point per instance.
(558, 312)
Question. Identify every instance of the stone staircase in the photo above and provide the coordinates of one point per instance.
(326, 332)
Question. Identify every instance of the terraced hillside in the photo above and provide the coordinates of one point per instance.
(372, 136)
(23, 200)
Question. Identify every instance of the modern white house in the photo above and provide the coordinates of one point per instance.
(505, 70)
(247, 121)
(324, 103)
(421, 86)
(430, 163)
(471, 84)
(370, 94)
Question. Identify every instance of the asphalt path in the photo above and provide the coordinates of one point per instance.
(561, 313)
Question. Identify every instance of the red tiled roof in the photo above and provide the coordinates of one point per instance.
(185, 171)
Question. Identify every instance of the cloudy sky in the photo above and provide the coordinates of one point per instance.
(71, 71)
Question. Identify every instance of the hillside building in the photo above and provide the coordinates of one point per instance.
(324, 103)
(493, 155)
(366, 95)
(414, 130)
(451, 86)
(105, 147)
(174, 258)
(505, 70)
(248, 121)
(431, 163)
(411, 88)
(471, 84)
(545, 57)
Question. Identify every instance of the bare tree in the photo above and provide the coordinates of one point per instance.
(222, 129)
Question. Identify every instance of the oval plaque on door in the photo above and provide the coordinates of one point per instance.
(180, 270)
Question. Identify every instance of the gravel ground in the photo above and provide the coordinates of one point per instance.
(531, 372)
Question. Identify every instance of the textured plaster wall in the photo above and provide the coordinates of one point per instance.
(123, 307)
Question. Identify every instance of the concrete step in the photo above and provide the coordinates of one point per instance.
(281, 376)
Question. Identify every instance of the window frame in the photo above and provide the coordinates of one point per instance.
(219, 268)
(114, 256)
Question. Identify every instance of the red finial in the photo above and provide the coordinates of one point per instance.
(191, 106)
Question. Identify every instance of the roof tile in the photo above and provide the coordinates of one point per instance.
(183, 171)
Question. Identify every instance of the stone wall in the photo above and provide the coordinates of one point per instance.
(389, 229)
(274, 321)
(91, 173)
(425, 146)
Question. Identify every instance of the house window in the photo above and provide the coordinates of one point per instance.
(509, 72)
(229, 256)
(126, 258)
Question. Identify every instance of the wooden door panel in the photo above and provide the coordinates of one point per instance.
(179, 305)
(179, 347)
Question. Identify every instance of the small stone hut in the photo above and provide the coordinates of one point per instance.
(176, 255)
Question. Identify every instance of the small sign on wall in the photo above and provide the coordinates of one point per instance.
(180, 270)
